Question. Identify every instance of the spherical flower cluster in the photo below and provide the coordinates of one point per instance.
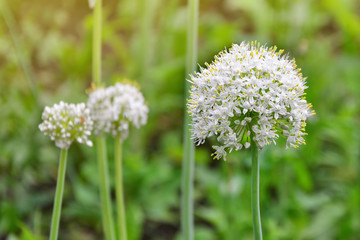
(64, 123)
(114, 108)
(250, 93)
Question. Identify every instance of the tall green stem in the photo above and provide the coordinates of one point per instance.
(55, 220)
(255, 201)
(119, 189)
(187, 207)
(105, 189)
(108, 222)
(96, 51)
(145, 33)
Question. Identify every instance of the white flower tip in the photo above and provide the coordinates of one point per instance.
(62, 144)
(89, 143)
(92, 3)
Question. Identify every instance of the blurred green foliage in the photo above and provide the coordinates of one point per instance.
(309, 193)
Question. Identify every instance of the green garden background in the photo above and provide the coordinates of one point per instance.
(312, 192)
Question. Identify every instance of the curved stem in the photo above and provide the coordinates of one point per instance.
(119, 189)
(255, 203)
(23, 59)
(55, 220)
(105, 189)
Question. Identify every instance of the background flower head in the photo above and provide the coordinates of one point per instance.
(114, 108)
(64, 123)
(249, 93)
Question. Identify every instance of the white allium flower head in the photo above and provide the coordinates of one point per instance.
(64, 123)
(250, 93)
(115, 108)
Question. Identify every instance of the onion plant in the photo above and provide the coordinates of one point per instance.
(108, 222)
(113, 110)
(64, 123)
(246, 98)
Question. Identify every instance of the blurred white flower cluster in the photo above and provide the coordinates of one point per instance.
(114, 108)
(64, 123)
(249, 92)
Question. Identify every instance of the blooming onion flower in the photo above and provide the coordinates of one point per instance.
(64, 123)
(114, 108)
(249, 93)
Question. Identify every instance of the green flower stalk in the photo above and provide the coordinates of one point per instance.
(248, 97)
(255, 195)
(188, 161)
(119, 189)
(113, 110)
(108, 222)
(55, 220)
(64, 123)
(97, 34)
(106, 207)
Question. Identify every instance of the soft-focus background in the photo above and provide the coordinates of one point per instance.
(312, 192)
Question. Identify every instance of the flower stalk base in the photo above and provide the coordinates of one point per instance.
(108, 221)
(120, 189)
(55, 220)
(255, 201)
